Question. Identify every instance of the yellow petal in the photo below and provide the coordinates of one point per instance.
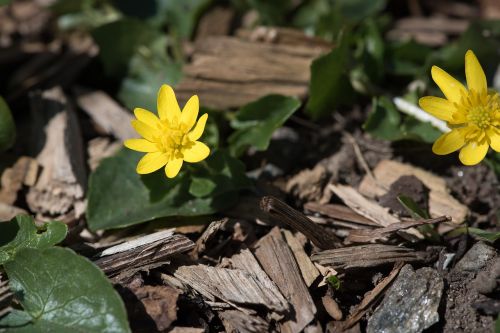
(190, 112)
(473, 152)
(173, 167)
(198, 152)
(168, 108)
(147, 132)
(147, 117)
(439, 107)
(151, 162)
(476, 80)
(494, 136)
(450, 87)
(197, 132)
(141, 145)
(449, 142)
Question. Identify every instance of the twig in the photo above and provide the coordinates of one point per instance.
(320, 237)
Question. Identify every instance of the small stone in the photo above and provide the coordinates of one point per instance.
(476, 258)
(410, 304)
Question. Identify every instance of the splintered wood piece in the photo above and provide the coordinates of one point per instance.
(370, 298)
(339, 212)
(278, 261)
(142, 253)
(228, 72)
(309, 272)
(440, 201)
(363, 206)
(370, 235)
(207, 235)
(370, 255)
(60, 188)
(318, 235)
(8, 212)
(23, 172)
(233, 286)
(111, 117)
(238, 321)
(246, 261)
(99, 148)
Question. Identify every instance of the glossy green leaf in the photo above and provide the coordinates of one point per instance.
(255, 122)
(62, 292)
(7, 127)
(119, 197)
(384, 120)
(330, 86)
(119, 41)
(21, 232)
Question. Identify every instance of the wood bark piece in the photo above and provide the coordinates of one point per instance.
(8, 212)
(237, 321)
(339, 212)
(108, 115)
(278, 261)
(370, 235)
(440, 201)
(234, 286)
(318, 235)
(309, 272)
(60, 188)
(100, 148)
(228, 72)
(363, 206)
(146, 252)
(371, 255)
(207, 235)
(23, 172)
(370, 298)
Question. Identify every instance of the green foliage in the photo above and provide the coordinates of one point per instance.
(385, 122)
(334, 281)
(7, 126)
(61, 291)
(255, 122)
(119, 197)
(329, 86)
(411, 206)
(118, 41)
(21, 232)
(181, 16)
(271, 12)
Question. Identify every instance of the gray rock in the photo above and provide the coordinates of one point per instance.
(476, 258)
(410, 304)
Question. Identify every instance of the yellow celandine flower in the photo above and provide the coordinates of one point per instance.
(170, 139)
(472, 113)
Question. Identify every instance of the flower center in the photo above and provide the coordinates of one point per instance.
(173, 142)
(480, 116)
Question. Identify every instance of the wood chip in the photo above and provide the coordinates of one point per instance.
(100, 148)
(370, 235)
(112, 118)
(372, 255)
(23, 172)
(331, 307)
(370, 298)
(238, 321)
(339, 212)
(309, 272)
(8, 212)
(228, 72)
(60, 188)
(308, 184)
(233, 286)
(278, 261)
(207, 235)
(318, 235)
(142, 253)
(440, 201)
(363, 206)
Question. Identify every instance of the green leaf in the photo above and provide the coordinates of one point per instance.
(271, 12)
(329, 86)
(181, 16)
(201, 187)
(7, 127)
(485, 235)
(334, 281)
(149, 68)
(256, 122)
(411, 206)
(63, 292)
(119, 197)
(118, 41)
(384, 120)
(21, 232)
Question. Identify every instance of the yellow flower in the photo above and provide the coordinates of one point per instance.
(472, 113)
(170, 139)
